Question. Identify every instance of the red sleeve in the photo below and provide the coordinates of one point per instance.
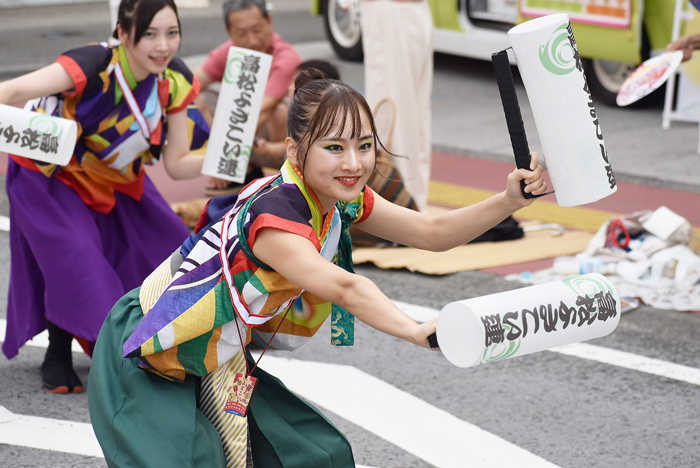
(215, 65)
(75, 72)
(367, 204)
(285, 61)
(281, 207)
(270, 221)
(84, 66)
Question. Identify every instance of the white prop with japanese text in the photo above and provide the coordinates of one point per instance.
(567, 123)
(526, 320)
(37, 136)
(236, 117)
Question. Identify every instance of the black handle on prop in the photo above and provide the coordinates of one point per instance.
(514, 119)
(432, 341)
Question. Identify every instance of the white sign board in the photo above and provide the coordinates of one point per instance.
(236, 117)
(37, 136)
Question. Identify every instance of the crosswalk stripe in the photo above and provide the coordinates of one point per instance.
(632, 361)
(408, 422)
(48, 434)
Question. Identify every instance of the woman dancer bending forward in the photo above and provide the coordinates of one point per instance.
(172, 399)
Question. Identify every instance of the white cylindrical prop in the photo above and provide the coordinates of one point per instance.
(523, 321)
(567, 123)
(37, 136)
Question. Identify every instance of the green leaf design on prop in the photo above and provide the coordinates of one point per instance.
(233, 68)
(44, 124)
(557, 55)
(500, 351)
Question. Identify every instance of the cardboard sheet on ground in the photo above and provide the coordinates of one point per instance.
(536, 245)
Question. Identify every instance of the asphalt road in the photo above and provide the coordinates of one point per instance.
(545, 409)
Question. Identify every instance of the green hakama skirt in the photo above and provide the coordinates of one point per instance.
(142, 420)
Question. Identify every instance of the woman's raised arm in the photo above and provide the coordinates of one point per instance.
(43, 82)
(179, 162)
(448, 230)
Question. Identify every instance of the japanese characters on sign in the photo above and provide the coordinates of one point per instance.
(591, 108)
(36, 136)
(236, 117)
(566, 119)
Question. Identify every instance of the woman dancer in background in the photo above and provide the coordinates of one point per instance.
(84, 234)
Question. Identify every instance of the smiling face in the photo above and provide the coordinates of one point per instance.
(250, 29)
(338, 165)
(157, 46)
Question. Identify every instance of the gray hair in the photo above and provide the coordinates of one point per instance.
(231, 6)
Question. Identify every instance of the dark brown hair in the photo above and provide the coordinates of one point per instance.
(327, 68)
(138, 14)
(321, 105)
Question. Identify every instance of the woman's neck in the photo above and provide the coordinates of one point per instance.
(138, 74)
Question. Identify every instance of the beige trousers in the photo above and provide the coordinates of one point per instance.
(397, 38)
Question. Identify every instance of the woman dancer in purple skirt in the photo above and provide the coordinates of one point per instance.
(84, 234)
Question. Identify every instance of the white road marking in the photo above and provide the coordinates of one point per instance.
(4, 223)
(48, 434)
(418, 313)
(410, 423)
(632, 361)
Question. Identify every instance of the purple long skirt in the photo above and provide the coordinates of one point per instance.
(70, 264)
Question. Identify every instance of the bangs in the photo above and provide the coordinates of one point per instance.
(326, 109)
(340, 105)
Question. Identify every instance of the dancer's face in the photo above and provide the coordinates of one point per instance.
(337, 167)
(157, 46)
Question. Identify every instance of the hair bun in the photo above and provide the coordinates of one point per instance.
(306, 76)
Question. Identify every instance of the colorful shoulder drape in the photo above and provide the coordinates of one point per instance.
(189, 325)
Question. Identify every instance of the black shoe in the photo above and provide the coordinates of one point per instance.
(57, 373)
(234, 187)
(54, 377)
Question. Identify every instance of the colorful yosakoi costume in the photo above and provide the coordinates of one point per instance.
(85, 234)
(195, 315)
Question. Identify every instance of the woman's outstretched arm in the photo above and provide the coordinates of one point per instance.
(448, 230)
(296, 258)
(49, 80)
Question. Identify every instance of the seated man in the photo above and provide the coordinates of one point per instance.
(249, 25)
